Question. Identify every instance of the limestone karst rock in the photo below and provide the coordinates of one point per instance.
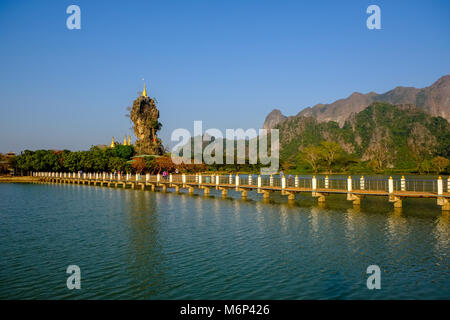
(434, 100)
(144, 115)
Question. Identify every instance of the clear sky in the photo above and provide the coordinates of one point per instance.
(228, 63)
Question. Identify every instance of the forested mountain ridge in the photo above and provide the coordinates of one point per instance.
(434, 100)
(382, 135)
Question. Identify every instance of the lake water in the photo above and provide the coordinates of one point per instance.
(133, 244)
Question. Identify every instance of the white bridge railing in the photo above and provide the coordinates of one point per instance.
(438, 186)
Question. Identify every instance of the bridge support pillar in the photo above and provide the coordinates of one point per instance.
(191, 190)
(224, 193)
(320, 196)
(266, 194)
(243, 193)
(142, 186)
(396, 200)
(164, 188)
(177, 189)
(355, 198)
(291, 195)
(206, 191)
(444, 203)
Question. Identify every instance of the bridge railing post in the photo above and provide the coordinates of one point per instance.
(199, 177)
(391, 185)
(349, 183)
(183, 178)
(296, 181)
(170, 178)
(259, 181)
(314, 183)
(283, 182)
(440, 187)
(271, 180)
(362, 185)
(403, 184)
(230, 179)
(217, 180)
(327, 183)
(250, 180)
(237, 180)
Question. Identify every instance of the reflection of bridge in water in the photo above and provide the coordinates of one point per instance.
(319, 186)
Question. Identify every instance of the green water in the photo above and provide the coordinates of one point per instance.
(133, 244)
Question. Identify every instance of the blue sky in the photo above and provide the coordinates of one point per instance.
(228, 63)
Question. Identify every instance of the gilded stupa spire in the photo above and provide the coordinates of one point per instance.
(113, 144)
(144, 93)
(125, 141)
(129, 140)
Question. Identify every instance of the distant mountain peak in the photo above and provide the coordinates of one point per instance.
(273, 118)
(434, 100)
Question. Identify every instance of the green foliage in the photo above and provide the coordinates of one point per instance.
(93, 160)
(379, 138)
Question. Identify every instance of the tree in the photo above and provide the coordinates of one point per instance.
(439, 164)
(330, 151)
(312, 155)
(72, 161)
(117, 164)
(124, 152)
(139, 165)
(425, 166)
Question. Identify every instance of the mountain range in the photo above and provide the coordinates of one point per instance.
(434, 100)
(402, 128)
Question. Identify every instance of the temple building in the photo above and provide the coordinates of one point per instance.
(125, 142)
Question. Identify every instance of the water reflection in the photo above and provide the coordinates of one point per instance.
(145, 254)
(397, 226)
(441, 234)
(284, 218)
(314, 218)
(139, 244)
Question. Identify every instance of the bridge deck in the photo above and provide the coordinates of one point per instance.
(354, 189)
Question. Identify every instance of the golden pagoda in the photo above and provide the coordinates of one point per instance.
(113, 144)
(125, 141)
(144, 93)
(129, 140)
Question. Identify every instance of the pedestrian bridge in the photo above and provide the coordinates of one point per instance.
(355, 188)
